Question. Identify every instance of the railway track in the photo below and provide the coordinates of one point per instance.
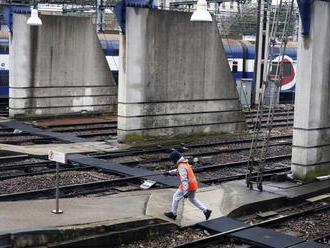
(156, 159)
(100, 181)
(223, 236)
(120, 184)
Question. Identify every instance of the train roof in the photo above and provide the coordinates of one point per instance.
(233, 48)
(291, 50)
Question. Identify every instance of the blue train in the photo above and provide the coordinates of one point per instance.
(240, 55)
(4, 69)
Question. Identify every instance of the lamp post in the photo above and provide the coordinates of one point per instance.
(201, 14)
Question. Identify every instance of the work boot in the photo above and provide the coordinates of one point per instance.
(170, 215)
(207, 213)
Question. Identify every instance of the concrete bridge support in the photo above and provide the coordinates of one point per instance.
(311, 135)
(58, 68)
(175, 78)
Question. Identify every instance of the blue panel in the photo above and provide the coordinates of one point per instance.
(113, 48)
(120, 10)
(8, 14)
(289, 90)
(305, 15)
(237, 75)
(110, 47)
(250, 75)
(4, 91)
(234, 51)
(250, 52)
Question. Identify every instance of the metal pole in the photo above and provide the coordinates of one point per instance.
(256, 77)
(57, 210)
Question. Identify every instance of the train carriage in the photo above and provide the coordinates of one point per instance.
(4, 69)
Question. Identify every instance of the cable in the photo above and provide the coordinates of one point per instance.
(257, 157)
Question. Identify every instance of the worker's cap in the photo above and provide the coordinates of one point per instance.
(175, 155)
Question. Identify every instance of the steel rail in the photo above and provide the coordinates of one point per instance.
(321, 238)
(220, 236)
(275, 110)
(39, 140)
(24, 134)
(268, 174)
(253, 115)
(28, 165)
(275, 120)
(43, 172)
(81, 189)
(238, 163)
(274, 125)
(13, 157)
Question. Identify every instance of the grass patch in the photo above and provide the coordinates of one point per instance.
(315, 174)
(138, 140)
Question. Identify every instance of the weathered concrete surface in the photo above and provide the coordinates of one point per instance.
(174, 77)
(58, 68)
(311, 135)
(37, 213)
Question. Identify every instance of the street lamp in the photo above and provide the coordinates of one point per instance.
(201, 14)
(34, 19)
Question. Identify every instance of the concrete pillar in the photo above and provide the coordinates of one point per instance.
(58, 68)
(311, 134)
(174, 77)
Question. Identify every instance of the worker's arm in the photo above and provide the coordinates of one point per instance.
(172, 172)
(184, 180)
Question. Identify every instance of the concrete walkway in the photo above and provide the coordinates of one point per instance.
(229, 198)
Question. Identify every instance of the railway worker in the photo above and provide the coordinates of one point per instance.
(188, 186)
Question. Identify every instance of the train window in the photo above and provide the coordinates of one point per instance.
(235, 66)
(4, 78)
(4, 48)
(114, 46)
(274, 68)
(287, 69)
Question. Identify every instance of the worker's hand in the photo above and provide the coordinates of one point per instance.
(167, 173)
(186, 195)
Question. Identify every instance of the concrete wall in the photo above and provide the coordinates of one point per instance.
(174, 78)
(311, 135)
(58, 68)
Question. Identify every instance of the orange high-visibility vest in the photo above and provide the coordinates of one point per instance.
(192, 181)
